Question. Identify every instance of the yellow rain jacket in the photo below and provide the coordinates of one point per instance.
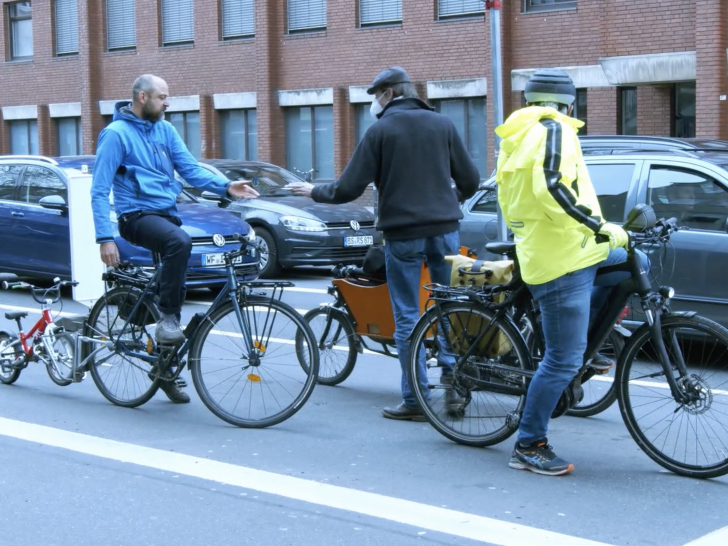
(546, 195)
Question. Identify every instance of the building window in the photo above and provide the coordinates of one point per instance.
(468, 115)
(377, 12)
(238, 19)
(548, 5)
(364, 120)
(24, 137)
(306, 15)
(66, 27)
(178, 22)
(580, 109)
(21, 31)
(239, 130)
(69, 136)
(310, 140)
(684, 110)
(120, 24)
(459, 8)
(628, 110)
(188, 127)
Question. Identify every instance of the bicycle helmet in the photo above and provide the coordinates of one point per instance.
(550, 85)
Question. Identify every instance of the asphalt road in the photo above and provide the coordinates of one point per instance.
(78, 470)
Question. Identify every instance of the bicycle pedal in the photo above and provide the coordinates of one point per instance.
(181, 383)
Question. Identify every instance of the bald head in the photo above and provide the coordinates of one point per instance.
(149, 97)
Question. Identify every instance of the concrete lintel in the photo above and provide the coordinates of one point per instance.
(451, 89)
(583, 76)
(652, 68)
(65, 110)
(358, 94)
(306, 97)
(20, 112)
(188, 103)
(106, 107)
(235, 101)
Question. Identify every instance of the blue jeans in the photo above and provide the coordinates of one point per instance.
(404, 261)
(567, 304)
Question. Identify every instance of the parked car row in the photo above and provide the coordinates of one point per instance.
(291, 230)
(682, 178)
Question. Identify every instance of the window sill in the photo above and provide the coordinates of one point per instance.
(121, 51)
(241, 40)
(66, 57)
(306, 33)
(541, 11)
(461, 18)
(175, 47)
(24, 60)
(375, 26)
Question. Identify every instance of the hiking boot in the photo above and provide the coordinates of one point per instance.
(601, 364)
(539, 458)
(174, 391)
(404, 413)
(454, 403)
(169, 332)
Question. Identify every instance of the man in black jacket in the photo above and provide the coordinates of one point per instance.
(411, 154)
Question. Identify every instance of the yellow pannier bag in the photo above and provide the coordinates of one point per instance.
(465, 327)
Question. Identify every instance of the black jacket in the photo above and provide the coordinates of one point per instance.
(411, 154)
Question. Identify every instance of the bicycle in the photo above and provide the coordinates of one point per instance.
(245, 365)
(671, 376)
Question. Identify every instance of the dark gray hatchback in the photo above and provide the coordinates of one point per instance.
(682, 178)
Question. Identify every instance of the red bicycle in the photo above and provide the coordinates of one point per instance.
(46, 342)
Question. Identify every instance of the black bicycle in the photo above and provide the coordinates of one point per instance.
(671, 377)
(245, 363)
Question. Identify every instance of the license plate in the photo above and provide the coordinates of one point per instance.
(363, 240)
(218, 259)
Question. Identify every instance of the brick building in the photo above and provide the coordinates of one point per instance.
(283, 80)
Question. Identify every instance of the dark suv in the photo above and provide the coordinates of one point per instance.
(682, 178)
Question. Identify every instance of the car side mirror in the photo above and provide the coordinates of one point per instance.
(53, 202)
(640, 218)
(211, 196)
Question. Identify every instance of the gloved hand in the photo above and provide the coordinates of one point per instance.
(617, 236)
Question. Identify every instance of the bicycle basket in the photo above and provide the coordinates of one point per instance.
(470, 271)
(464, 330)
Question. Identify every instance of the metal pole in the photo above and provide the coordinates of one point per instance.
(494, 7)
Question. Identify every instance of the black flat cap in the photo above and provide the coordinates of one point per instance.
(388, 77)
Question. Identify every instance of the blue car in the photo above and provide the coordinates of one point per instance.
(35, 239)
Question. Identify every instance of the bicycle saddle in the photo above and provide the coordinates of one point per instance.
(16, 315)
(507, 248)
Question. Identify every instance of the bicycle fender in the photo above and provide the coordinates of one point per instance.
(10, 334)
(425, 316)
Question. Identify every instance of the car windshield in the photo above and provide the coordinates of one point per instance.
(269, 181)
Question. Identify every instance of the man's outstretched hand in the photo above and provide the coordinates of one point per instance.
(300, 188)
(241, 190)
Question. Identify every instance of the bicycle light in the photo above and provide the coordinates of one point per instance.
(667, 292)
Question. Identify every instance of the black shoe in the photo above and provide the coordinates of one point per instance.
(539, 458)
(601, 364)
(404, 413)
(174, 392)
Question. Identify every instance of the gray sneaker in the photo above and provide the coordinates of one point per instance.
(454, 403)
(169, 332)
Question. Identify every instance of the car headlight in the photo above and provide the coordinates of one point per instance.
(294, 223)
(251, 235)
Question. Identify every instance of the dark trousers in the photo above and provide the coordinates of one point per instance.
(162, 234)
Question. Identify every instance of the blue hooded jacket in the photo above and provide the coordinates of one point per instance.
(148, 154)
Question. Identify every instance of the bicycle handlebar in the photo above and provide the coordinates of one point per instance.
(39, 294)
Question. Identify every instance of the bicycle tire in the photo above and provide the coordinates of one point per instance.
(599, 396)
(8, 376)
(109, 368)
(64, 360)
(653, 417)
(459, 424)
(334, 365)
(274, 371)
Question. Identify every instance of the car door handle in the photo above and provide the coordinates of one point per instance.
(18, 214)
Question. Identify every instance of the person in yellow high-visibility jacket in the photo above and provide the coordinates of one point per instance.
(550, 204)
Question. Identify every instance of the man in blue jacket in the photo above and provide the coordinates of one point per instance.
(411, 154)
(136, 157)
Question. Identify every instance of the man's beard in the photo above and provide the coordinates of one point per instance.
(151, 115)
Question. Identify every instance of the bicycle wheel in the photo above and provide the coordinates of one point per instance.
(460, 404)
(258, 386)
(600, 391)
(337, 349)
(60, 367)
(8, 354)
(124, 380)
(690, 438)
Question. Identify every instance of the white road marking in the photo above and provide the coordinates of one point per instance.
(716, 538)
(301, 289)
(418, 515)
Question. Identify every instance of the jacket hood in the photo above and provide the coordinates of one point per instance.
(123, 111)
(521, 121)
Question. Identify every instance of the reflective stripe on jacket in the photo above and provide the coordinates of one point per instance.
(546, 195)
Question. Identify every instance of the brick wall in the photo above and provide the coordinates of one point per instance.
(654, 110)
(602, 114)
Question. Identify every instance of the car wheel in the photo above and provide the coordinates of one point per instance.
(268, 253)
